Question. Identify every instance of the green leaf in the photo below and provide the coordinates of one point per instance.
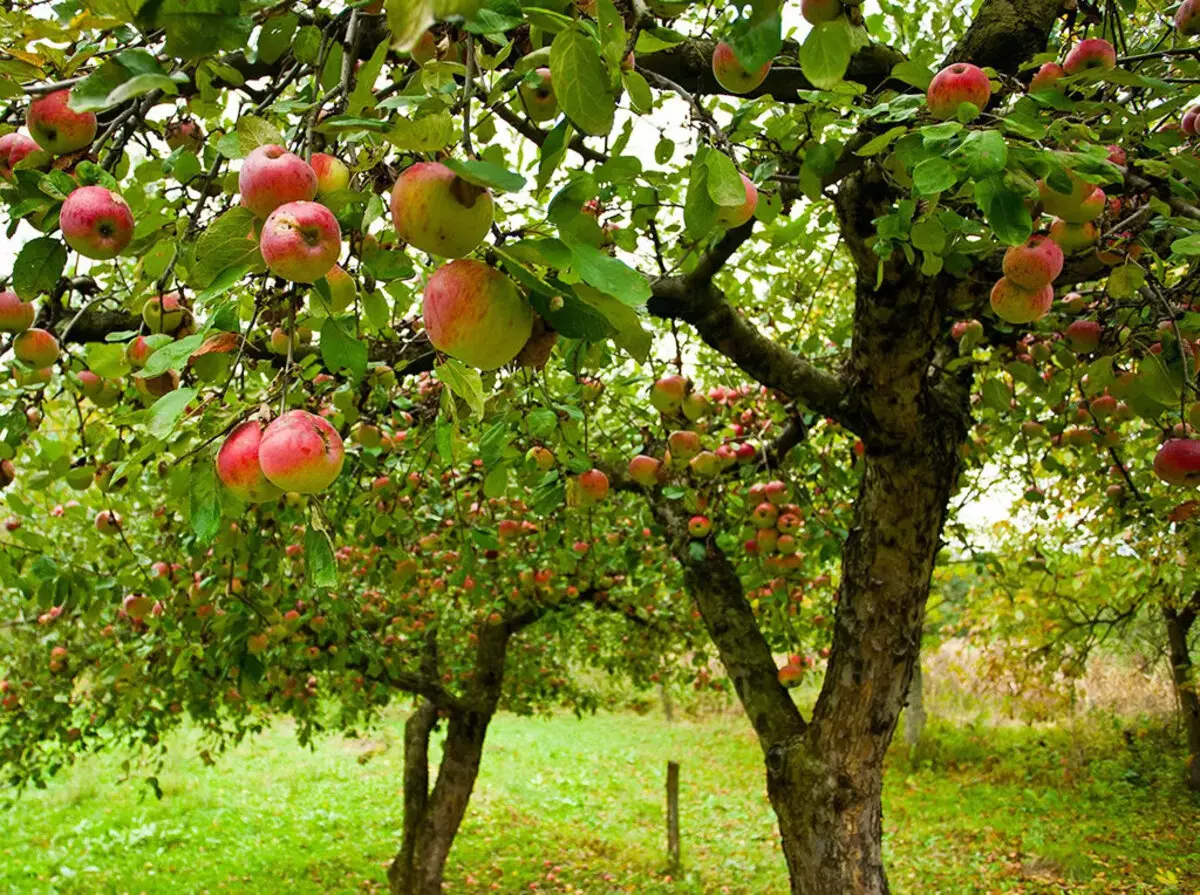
(724, 183)
(629, 335)
(1188, 245)
(553, 152)
(463, 381)
(428, 134)
(610, 276)
(913, 73)
(106, 361)
(929, 236)
(228, 242)
(254, 132)
(204, 499)
(493, 443)
(640, 97)
(196, 28)
(496, 17)
(882, 142)
(38, 266)
(362, 97)
(408, 20)
(699, 210)
(1005, 211)
(486, 174)
(934, 175)
(172, 356)
(128, 74)
(275, 38)
(581, 81)
(1125, 281)
(825, 54)
(319, 564)
(341, 350)
(756, 39)
(984, 152)
(496, 482)
(167, 410)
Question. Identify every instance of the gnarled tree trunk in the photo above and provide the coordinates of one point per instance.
(1179, 623)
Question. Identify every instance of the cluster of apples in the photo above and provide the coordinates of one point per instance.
(297, 452)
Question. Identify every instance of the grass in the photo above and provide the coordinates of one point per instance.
(576, 806)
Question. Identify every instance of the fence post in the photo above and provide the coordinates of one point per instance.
(673, 815)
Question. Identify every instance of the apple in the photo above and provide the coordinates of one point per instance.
(96, 222)
(13, 148)
(184, 134)
(776, 492)
(164, 313)
(699, 526)
(474, 313)
(36, 348)
(1014, 304)
(1074, 237)
(537, 96)
(1035, 264)
(33, 378)
(765, 515)
(301, 241)
(332, 173)
(684, 444)
(1084, 336)
(342, 289)
(151, 388)
(8, 473)
(301, 452)
(964, 327)
(271, 176)
(108, 522)
(730, 74)
(592, 486)
(436, 211)
(732, 216)
(791, 675)
(695, 407)
(817, 12)
(1178, 462)
(1092, 53)
(705, 465)
(954, 85)
(1187, 124)
(15, 315)
(540, 458)
(55, 127)
(1047, 77)
(1085, 202)
(138, 352)
(238, 467)
(1117, 155)
(1187, 18)
(645, 470)
(667, 394)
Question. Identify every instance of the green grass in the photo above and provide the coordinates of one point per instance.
(577, 806)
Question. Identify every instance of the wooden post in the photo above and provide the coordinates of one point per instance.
(673, 815)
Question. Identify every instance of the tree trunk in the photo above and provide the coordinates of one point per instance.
(1179, 623)
(914, 709)
(826, 786)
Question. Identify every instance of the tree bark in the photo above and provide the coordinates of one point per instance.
(914, 710)
(1179, 623)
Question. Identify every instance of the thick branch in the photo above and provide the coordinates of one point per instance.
(1006, 33)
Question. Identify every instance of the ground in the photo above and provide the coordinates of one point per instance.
(567, 805)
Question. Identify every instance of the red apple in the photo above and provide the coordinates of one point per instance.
(667, 394)
(699, 526)
(139, 351)
(1187, 18)
(731, 216)
(1013, 304)
(1047, 77)
(791, 675)
(730, 74)
(537, 96)
(474, 313)
(1178, 462)
(96, 222)
(593, 486)
(56, 127)
(271, 176)
(13, 148)
(8, 473)
(301, 241)
(36, 348)
(301, 452)
(645, 470)
(238, 467)
(164, 313)
(684, 444)
(108, 522)
(1092, 53)
(1084, 336)
(184, 134)
(954, 85)
(332, 173)
(1035, 264)
(15, 315)
(438, 212)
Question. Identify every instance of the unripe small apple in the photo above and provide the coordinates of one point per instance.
(705, 465)
(699, 526)
(540, 458)
(164, 313)
(695, 407)
(537, 95)
(108, 522)
(765, 515)
(342, 289)
(184, 134)
(817, 12)
(1074, 237)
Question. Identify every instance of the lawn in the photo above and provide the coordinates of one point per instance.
(566, 805)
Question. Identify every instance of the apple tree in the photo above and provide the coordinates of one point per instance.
(583, 285)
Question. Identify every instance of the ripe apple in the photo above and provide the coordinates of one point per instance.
(954, 85)
(56, 127)
(271, 176)
(1013, 304)
(1047, 77)
(1035, 264)
(96, 222)
(593, 486)
(474, 313)
(342, 289)
(540, 458)
(732, 216)
(1178, 462)
(13, 148)
(645, 470)
(108, 522)
(332, 173)
(436, 211)
(238, 467)
(184, 134)
(36, 348)
(1187, 18)
(301, 452)
(1187, 124)
(8, 473)
(705, 465)
(1084, 336)
(139, 351)
(15, 315)
(667, 394)
(1074, 237)
(765, 515)
(537, 96)
(684, 444)
(164, 313)
(730, 74)
(301, 241)
(1085, 202)
(791, 675)
(1092, 53)
(699, 526)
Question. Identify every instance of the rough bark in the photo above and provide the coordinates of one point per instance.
(1179, 623)
(914, 708)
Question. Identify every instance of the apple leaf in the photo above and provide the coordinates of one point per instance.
(38, 266)
(609, 275)
(581, 81)
(1005, 211)
(825, 54)
(319, 564)
(168, 409)
(486, 174)
(340, 350)
(228, 242)
(254, 132)
(128, 74)
(724, 183)
(205, 499)
(463, 381)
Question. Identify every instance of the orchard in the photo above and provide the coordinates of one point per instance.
(465, 354)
